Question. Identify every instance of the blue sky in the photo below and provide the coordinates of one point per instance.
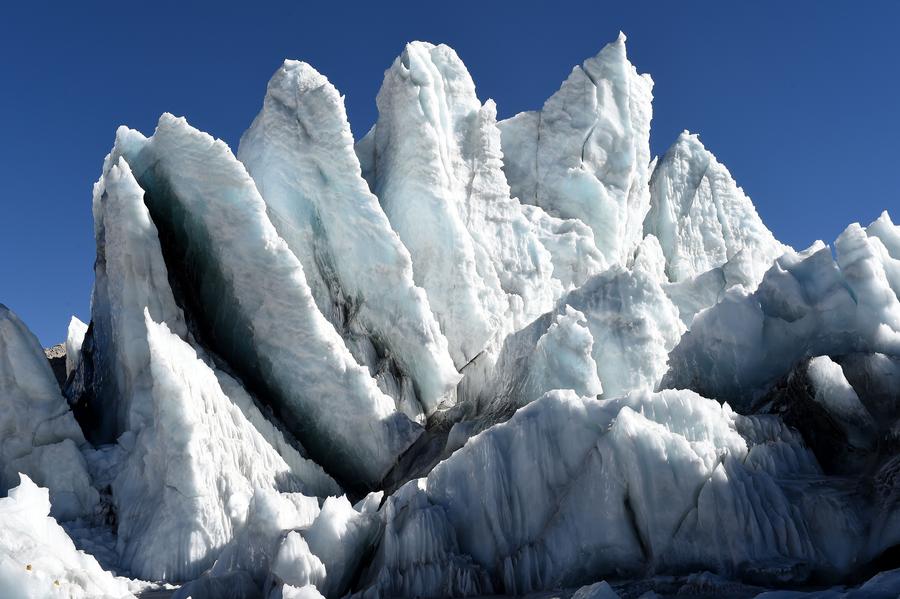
(799, 99)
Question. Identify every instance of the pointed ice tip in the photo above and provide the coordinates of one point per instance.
(167, 119)
(686, 138)
(613, 52)
(294, 76)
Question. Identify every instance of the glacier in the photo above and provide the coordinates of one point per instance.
(457, 356)
(39, 436)
(281, 326)
(586, 153)
(300, 153)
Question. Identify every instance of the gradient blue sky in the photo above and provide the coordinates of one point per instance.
(801, 100)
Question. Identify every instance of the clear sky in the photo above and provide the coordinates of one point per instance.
(801, 100)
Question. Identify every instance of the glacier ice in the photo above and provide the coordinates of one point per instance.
(460, 357)
(486, 263)
(74, 341)
(180, 487)
(195, 444)
(37, 557)
(555, 352)
(270, 515)
(130, 276)
(258, 311)
(631, 325)
(665, 481)
(585, 153)
(299, 151)
(807, 304)
(326, 555)
(598, 590)
(38, 433)
(618, 495)
(702, 219)
(835, 394)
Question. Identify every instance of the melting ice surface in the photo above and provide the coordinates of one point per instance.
(454, 357)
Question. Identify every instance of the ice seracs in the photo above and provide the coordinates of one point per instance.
(38, 433)
(585, 153)
(74, 341)
(299, 151)
(258, 311)
(188, 479)
(628, 326)
(702, 219)
(194, 444)
(130, 275)
(573, 489)
(435, 162)
(807, 304)
(37, 557)
(650, 389)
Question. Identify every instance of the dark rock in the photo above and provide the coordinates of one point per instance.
(56, 355)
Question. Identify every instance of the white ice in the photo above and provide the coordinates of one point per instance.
(74, 340)
(39, 560)
(807, 305)
(194, 444)
(38, 433)
(258, 309)
(191, 470)
(435, 163)
(570, 490)
(702, 219)
(299, 151)
(586, 153)
(834, 393)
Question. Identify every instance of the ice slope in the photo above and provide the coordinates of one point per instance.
(74, 341)
(270, 516)
(807, 305)
(847, 408)
(435, 162)
(229, 309)
(570, 490)
(838, 398)
(555, 352)
(327, 554)
(188, 478)
(37, 557)
(251, 303)
(195, 444)
(586, 153)
(129, 276)
(299, 151)
(628, 325)
(702, 219)
(38, 433)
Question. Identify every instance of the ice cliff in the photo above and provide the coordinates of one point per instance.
(455, 356)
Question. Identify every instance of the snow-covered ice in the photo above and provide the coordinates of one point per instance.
(37, 558)
(702, 219)
(586, 153)
(257, 309)
(74, 341)
(299, 151)
(808, 304)
(38, 433)
(182, 488)
(459, 357)
(487, 263)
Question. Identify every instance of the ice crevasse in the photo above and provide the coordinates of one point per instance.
(456, 356)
